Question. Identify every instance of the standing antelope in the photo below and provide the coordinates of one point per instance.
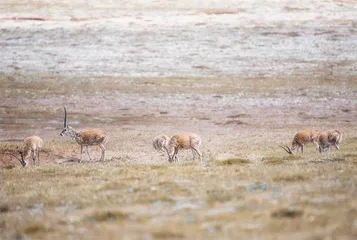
(90, 137)
(184, 141)
(31, 146)
(300, 139)
(160, 143)
(329, 139)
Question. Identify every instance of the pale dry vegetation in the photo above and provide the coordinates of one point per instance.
(305, 197)
(245, 77)
(246, 185)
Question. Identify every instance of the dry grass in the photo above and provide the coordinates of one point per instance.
(246, 185)
(232, 161)
(193, 199)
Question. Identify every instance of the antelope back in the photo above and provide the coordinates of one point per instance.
(185, 140)
(32, 143)
(323, 137)
(92, 137)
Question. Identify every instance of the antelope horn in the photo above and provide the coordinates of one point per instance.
(65, 116)
(23, 163)
(286, 148)
(168, 154)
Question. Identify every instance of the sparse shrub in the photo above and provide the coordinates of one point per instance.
(4, 208)
(287, 213)
(35, 228)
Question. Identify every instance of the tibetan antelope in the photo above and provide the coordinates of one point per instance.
(90, 137)
(31, 146)
(184, 141)
(300, 139)
(329, 139)
(160, 143)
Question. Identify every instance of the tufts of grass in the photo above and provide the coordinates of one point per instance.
(221, 195)
(112, 186)
(291, 177)
(272, 160)
(159, 167)
(8, 167)
(106, 215)
(233, 161)
(287, 213)
(11, 147)
(337, 159)
(35, 228)
(4, 208)
(166, 235)
(174, 189)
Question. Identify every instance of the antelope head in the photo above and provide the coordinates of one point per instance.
(286, 148)
(65, 130)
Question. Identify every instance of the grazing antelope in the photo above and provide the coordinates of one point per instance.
(160, 143)
(300, 139)
(184, 141)
(90, 137)
(31, 146)
(329, 139)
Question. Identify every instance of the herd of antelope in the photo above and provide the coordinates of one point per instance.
(31, 147)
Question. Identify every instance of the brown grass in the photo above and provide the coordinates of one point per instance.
(232, 161)
(246, 185)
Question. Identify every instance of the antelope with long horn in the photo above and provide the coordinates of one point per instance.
(90, 137)
(30, 147)
(184, 141)
(300, 139)
(329, 139)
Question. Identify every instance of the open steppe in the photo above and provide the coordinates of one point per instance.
(246, 185)
(244, 77)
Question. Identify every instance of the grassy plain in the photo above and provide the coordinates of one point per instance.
(246, 186)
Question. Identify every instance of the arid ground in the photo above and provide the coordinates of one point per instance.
(245, 78)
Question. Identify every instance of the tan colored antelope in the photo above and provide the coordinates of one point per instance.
(329, 139)
(30, 147)
(184, 141)
(300, 139)
(160, 143)
(90, 137)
